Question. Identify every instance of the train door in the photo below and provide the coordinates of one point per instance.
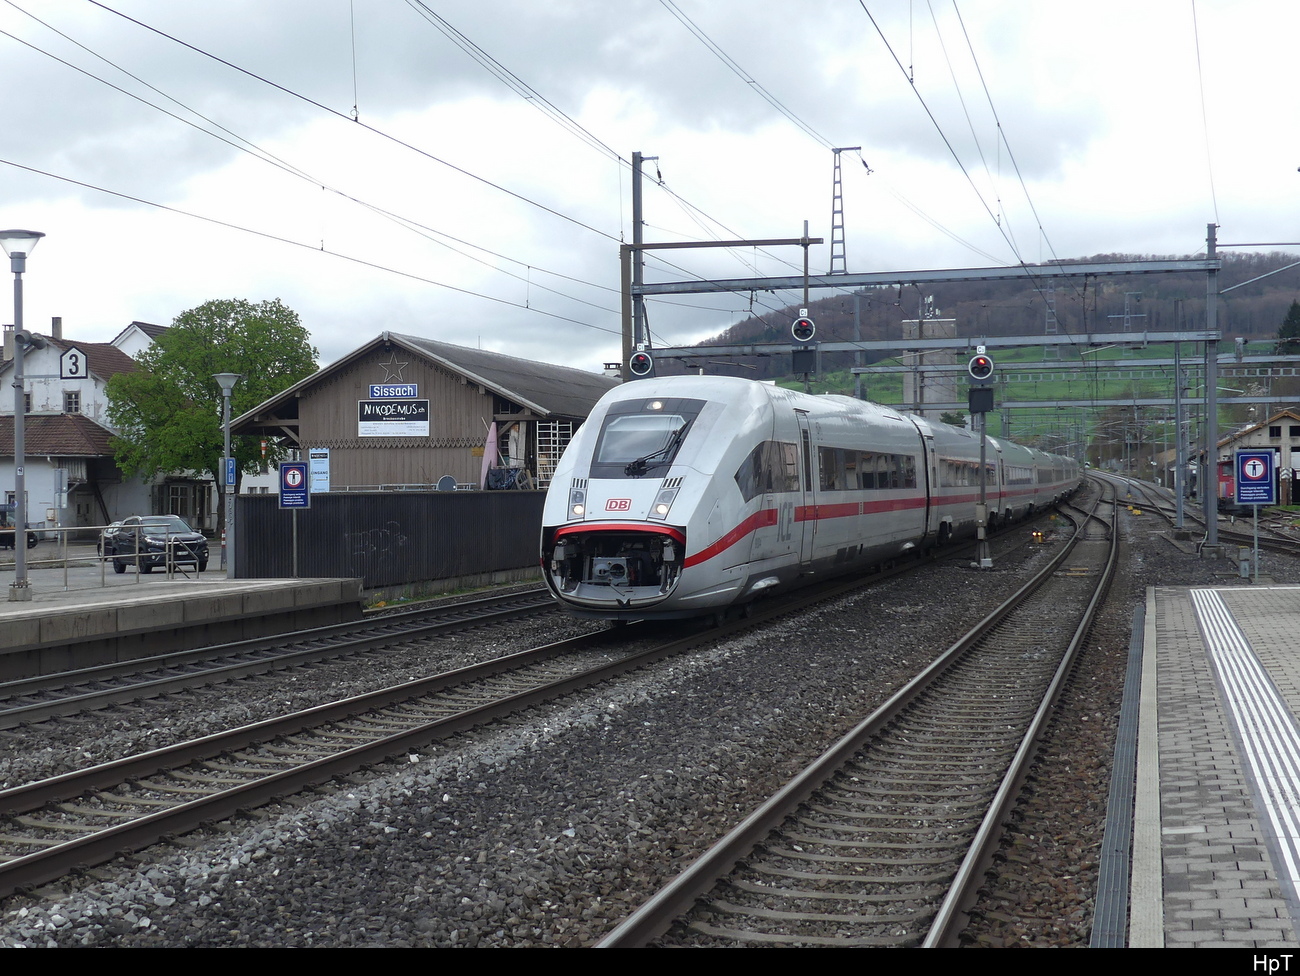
(928, 481)
(930, 466)
(998, 489)
(806, 517)
(773, 467)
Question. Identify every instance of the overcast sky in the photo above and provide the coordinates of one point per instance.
(1128, 127)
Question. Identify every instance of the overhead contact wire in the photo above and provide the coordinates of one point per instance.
(369, 128)
(307, 247)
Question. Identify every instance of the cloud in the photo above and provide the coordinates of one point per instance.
(1099, 105)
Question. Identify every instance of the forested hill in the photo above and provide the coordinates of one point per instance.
(1161, 303)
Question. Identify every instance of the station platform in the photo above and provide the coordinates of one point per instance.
(1216, 838)
(63, 629)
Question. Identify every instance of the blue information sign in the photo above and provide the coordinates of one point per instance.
(295, 487)
(1255, 484)
(230, 472)
(384, 391)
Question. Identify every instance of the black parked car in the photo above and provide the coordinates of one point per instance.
(7, 529)
(149, 536)
(107, 533)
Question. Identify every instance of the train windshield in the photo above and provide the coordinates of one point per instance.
(642, 436)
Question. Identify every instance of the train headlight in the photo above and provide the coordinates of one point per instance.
(663, 503)
(577, 503)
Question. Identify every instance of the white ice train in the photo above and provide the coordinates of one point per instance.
(683, 495)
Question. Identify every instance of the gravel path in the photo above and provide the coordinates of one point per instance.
(548, 829)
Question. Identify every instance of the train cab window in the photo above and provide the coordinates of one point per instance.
(642, 436)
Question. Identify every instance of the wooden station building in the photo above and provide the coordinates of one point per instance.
(407, 412)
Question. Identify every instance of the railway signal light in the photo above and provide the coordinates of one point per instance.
(803, 329)
(641, 364)
(980, 367)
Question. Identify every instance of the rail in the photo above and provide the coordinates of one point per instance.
(967, 765)
(87, 816)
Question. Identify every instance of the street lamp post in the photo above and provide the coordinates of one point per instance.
(18, 244)
(227, 383)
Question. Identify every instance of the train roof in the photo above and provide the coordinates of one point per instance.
(728, 387)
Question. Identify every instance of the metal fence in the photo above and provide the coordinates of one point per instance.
(80, 557)
(388, 538)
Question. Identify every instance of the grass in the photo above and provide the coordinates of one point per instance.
(1108, 391)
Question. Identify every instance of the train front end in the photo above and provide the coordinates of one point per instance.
(630, 500)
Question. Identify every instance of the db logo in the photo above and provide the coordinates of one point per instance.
(618, 505)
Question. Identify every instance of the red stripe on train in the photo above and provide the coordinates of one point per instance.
(758, 520)
(622, 527)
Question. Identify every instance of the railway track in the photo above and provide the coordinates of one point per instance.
(88, 816)
(38, 699)
(29, 701)
(882, 841)
(1274, 538)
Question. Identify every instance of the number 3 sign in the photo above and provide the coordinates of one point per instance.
(73, 365)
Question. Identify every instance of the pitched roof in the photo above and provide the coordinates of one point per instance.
(58, 435)
(148, 328)
(103, 358)
(548, 389)
(545, 389)
(1247, 431)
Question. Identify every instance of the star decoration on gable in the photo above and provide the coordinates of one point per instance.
(393, 369)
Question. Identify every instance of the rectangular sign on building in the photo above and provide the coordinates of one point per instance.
(319, 459)
(380, 391)
(392, 418)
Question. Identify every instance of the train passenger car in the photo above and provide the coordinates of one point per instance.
(683, 495)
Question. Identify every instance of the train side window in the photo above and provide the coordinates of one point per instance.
(952, 473)
(772, 466)
(749, 476)
(867, 470)
(831, 462)
(789, 466)
(851, 461)
(844, 469)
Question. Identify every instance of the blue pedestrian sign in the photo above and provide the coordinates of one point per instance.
(1255, 484)
(295, 488)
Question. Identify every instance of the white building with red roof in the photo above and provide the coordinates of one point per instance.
(67, 440)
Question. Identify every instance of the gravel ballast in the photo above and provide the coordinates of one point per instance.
(549, 828)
